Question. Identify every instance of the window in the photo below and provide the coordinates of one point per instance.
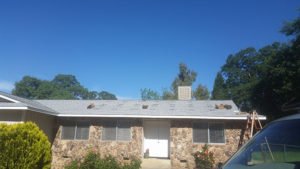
(75, 131)
(116, 130)
(276, 146)
(208, 133)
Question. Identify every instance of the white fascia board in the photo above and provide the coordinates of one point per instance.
(41, 111)
(162, 117)
(13, 108)
(9, 99)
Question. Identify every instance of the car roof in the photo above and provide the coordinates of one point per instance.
(291, 117)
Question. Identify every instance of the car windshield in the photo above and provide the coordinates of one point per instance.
(275, 147)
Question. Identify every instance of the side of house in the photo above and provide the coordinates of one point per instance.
(164, 138)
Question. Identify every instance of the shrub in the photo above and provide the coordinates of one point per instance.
(204, 159)
(93, 161)
(24, 146)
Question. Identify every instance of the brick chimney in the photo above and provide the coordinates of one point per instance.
(184, 93)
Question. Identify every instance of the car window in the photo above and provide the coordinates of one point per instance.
(276, 145)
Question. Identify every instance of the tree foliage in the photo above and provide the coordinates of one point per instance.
(185, 77)
(201, 93)
(148, 94)
(168, 95)
(266, 79)
(61, 87)
(104, 95)
(23, 145)
(220, 91)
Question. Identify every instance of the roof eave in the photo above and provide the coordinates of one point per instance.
(163, 117)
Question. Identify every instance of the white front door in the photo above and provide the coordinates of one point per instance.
(156, 138)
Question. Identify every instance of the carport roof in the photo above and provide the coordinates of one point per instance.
(11, 102)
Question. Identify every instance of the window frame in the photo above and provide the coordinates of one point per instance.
(208, 133)
(75, 124)
(116, 128)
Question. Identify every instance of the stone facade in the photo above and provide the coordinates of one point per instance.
(64, 151)
(181, 143)
(182, 146)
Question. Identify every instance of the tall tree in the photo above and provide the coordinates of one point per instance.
(267, 79)
(71, 84)
(201, 93)
(27, 87)
(65, 81)
(148, 94)
(61, 87)
(240, 71)
(220, 91)
(168, 95)
(185, 77)
(104, 95)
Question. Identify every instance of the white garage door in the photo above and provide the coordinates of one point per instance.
(156, 138)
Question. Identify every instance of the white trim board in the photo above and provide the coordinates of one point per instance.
(136, 116)
(13, 108)
(162, 117)
(9, 99)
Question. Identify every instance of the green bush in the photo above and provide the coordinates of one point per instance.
(93, 161)
(204, 159)
(24, 146)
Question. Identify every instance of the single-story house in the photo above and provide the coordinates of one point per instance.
(123, 128)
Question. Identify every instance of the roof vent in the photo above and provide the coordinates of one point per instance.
(145, 106)
(92, 105)
(223, 106)
(184, 93)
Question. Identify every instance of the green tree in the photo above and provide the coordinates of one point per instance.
(168, 95)
(201, 93)
(27, 87)
(65, 81)
(45, 90)
(220, 91)
(291, 28)
(60, 94)
(267, 79)
(71, 84)
(61, 87)
(23, 145)
(148, 94)
(185, 77)
(241, 71)
(104, 95)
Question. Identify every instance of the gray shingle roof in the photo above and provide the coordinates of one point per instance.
(135, 108)
(129, 108)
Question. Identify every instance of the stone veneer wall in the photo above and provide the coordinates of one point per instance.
(64, 151)
(182, 146)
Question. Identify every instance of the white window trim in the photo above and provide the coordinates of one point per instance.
(208, 133)
(117, 123)
(74, 139)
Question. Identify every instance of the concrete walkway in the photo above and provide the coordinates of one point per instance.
(154, 163)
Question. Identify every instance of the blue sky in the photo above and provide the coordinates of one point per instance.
(123, 46)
